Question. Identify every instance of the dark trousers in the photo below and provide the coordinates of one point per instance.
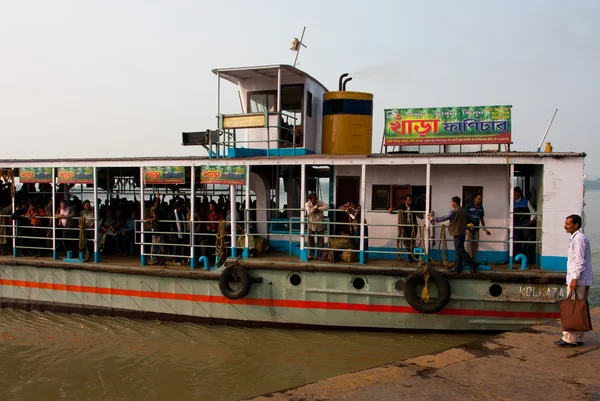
(65, 243)
(208, 246)
(320, 242)
(181, 248)
(462, 256)
(124, 240)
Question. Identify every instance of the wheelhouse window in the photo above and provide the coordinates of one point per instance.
(260, 102)
(290, 124)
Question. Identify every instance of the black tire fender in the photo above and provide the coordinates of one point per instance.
(434, 305)
(235, 274)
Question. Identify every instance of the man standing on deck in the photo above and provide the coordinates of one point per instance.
(579, 272)
(522, 221)
(314, 210)
(458, 229)
(407, 225)
(475, 220)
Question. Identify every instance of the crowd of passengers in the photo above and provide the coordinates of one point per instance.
(166, 224)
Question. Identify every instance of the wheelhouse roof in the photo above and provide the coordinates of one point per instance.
(237, 74)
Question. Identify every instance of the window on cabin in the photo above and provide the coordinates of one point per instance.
(260, 102)
(380, 199)
(468, 194)
(309, 101)
(419, 196)
(384, 197)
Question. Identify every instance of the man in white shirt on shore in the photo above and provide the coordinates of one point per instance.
(579, 272)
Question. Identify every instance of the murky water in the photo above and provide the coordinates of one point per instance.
(49, 357)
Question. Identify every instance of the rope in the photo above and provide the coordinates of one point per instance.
(220, 244)
(82, 238)
(417, 238)
(425, 292)
(443, 249)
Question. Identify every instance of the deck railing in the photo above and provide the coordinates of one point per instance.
(196, 242)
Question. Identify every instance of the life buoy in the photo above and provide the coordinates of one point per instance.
(434, 305)
(234, 274)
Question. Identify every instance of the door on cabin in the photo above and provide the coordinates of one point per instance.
(347, 190)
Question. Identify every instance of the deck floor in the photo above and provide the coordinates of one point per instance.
(285, 258)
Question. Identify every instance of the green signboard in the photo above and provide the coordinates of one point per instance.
(75, 175)
(448, 126)
(164, 175)
(32, 175)
(225, 175)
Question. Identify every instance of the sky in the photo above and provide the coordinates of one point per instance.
(125, 78)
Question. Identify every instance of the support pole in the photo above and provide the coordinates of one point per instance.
(511, 223)
(142, 217)
(54, 251)
(218, 93)
(246, 252)
(303, 252)
(279, 112)
(13, 221)
(193, 261)
(96, 251)
(363, 200)
(233, 220)
(427, 211)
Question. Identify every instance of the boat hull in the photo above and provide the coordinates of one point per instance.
(322, 298)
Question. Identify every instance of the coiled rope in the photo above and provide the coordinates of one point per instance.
(220, 244)
(83, 246)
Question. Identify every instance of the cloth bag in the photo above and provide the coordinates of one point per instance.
(575, 313)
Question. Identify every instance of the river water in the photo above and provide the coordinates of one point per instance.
(45, 356)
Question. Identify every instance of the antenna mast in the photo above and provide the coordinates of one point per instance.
(296, 44)
(539, 149)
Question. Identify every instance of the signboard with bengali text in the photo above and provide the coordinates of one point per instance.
(448, 126)
(164, 175)
(224, 175)
(75, 175)
(33, 175)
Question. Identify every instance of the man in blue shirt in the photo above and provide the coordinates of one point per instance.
(522, 219)
(475, 221)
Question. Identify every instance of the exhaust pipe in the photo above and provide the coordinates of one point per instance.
(345, 82)
(341, 78)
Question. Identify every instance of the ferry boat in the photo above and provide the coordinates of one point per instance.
(293, 137)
